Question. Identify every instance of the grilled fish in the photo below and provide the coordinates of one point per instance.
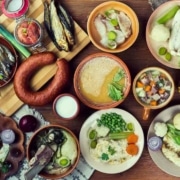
(47, 24)
(171, 150)
(57, 28)
(7, 61)
(174, 41)
(67, 23)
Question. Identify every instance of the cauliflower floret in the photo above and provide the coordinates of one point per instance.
(160, 33)
(160, 129)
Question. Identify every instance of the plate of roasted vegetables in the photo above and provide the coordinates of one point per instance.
(163, 140)
(111, 140)
(8, 62)
(162, 34)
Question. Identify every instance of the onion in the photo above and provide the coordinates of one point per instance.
(28, 123)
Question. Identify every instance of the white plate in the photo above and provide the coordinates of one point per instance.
(154, 45)
(157, 156)
(105, 168)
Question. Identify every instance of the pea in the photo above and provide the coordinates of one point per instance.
(168, 56)
(162, 51)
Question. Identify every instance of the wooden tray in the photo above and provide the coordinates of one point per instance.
(9, 102)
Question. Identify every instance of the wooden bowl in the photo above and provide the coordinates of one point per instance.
(94, 81)
(66, 106)
(119, 6)
(32, 149)
(7, 44)
(16, 152)
(153, 93)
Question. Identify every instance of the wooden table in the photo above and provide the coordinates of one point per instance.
(137, 57)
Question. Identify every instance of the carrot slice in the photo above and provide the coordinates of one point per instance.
(132, 149)
(132, 138)
(147, 88)
(153, 103)
(140, 84)
(152, 83)
(161, 91)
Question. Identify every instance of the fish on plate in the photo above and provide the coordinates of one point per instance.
(7, 61)
(114, 27)
(59, 25)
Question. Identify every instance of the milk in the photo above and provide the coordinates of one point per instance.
(66, 106)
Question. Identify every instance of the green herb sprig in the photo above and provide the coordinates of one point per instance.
(115, 90)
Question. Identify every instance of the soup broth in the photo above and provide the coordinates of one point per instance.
(95, 78)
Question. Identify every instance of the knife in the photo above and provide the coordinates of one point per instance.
(39, 161)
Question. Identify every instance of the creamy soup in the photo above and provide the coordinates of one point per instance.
(96, 76)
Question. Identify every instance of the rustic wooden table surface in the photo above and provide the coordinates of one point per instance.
(136, 58)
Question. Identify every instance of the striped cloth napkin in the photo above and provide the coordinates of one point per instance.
(82, 172)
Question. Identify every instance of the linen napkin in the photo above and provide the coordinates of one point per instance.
(82, 172)
(156, 3)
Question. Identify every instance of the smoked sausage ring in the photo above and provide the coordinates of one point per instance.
(25, 72)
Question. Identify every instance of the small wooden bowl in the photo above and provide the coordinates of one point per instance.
(7, 44)
(100, 102)
(31, 149)
(148, 107)
(66, 106)
(119, 6)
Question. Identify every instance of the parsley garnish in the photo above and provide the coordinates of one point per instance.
(115, 90)
(111, 150)
(104, 156)
(119, 75)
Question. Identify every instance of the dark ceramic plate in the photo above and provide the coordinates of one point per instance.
(17, 152)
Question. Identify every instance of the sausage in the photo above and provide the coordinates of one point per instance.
(25, 72)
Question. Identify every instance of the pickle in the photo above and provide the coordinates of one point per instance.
(162, 51)
(169, 15)
(92, 134)
(93, 144)
(130, 126)
(168, 56)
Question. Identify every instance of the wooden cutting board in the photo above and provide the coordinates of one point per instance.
(9, 102)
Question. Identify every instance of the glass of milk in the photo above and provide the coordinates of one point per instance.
(66, 106)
